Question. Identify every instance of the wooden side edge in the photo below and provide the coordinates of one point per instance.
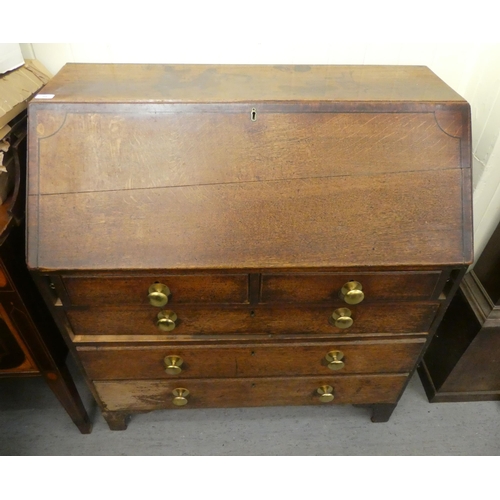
(32, 186)
(467, 185)
(477, 297)
(426, 379)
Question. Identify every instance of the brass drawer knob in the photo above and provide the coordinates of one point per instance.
(166, 321)
(158, 294)
(173, 364)
(351, 293)
(325, 393)
(334, 359)
(341, 318)
(181, 395)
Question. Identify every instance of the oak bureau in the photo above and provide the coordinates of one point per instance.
(222, 236)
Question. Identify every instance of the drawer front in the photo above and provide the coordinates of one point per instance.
(128, 363)
(368, 318)
(146, 395)
(109, 291)
(326, 287)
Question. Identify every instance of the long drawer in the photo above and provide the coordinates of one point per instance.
(368, 318)
(259, 360)
(145, 395)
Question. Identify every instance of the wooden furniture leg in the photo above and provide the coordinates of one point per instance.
(117, 420)
(382, 412)
(63, 386)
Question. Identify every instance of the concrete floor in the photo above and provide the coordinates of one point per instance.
(33, 423)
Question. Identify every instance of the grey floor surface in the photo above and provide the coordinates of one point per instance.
(33, 423)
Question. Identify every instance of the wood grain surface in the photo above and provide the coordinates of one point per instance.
(411, 218)
(325, 287)
(254, 360)
(299, 287)
(189, 288)
(368, 318)
(232, 83)
(146, 395)
(118, 149)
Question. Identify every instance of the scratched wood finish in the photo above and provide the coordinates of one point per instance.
(145, 395)
(128, 363)
(214, 148)
(411, 218)
(388, 318)
(232, 83)
(325, 287)
(102, 291)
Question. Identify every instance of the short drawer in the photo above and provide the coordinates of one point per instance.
(188, 288)
(145, 395)
(368, 318)
(326, 287)
(259, 360)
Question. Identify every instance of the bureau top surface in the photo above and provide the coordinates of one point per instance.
(157, 83)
